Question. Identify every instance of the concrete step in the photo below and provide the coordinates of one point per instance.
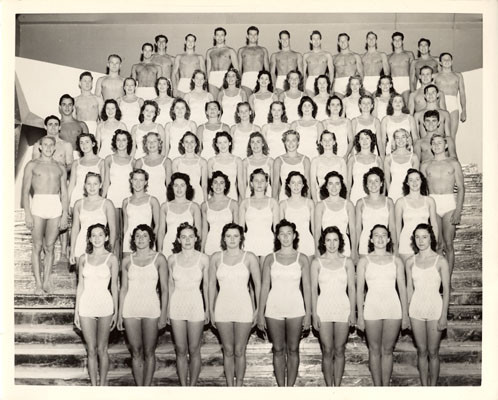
(74, 355)
(354, 375)
(460, 331)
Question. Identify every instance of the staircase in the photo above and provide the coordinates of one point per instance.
(49, 351)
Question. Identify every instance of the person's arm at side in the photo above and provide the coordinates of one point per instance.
(409, 281)
(273, 64)
(196, 211)
(265, 289)
(433, 216)
(26, 200)
(392, 224)
(360, 292)
(266, 62)
(256, 279)
(359, 65)
(204, 179)
(398, 216)
(110, 213)
(205, 286)
(383, 135)
(314, 271)
(352, 230)
(385, 64)
(358, 219)
(79, 291)
(463, 97)
(387, 171)
(204, 231)
(154, 204)
(123, 291)
(413, 78)
(114, 288)
(351, 291)
(240, 178)
(349, 178)
(124, 208)
(314, 183)
(72, 178)
(65, 199)
(331, 68)
(444, 271)
(411, 103)
(163, 282)
(239, 60)
(208, 62)
(400, 280)
(413, 129)
(98, 86)
(213, 292)
(349, 132)
(306, 164)
(276, 212)
(318, 224)
(234, 59)
(167, 138)
(107, 176)
(456, 216)
(175, 74)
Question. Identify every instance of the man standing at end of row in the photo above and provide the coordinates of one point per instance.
(70, 127)
(218, 61)
(47, 211)
(161, 58)
(252, 59)
(416, 101)
(284, 61)
(88, 105)
(316, 62)
(399, 63)
(346, 64)
(185, 65)
(374, 64)
(146, 73)
(111, 85)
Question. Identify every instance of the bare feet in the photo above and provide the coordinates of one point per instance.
(39, 290)
(47, 287)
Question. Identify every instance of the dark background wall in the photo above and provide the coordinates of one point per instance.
(85, 40)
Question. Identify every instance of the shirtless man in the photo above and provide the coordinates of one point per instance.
(252, 59)
(346, 64)
(47, 211)
(88, 105)
(431, 93)
(185, 65)
(423, 58)
(316, 62)
(374, 64)
(442, 175)
(416, 101)
(452, 84)
(111, 85)
(284, 61)
(399, 63)
(161, 58)
(218, 61)
(146, 73)
(70, 127)
(422, 147)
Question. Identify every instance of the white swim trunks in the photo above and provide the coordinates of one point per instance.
(92, 126)
(401, 84)
(249, 79)
(146, 92)
(216, 78)
(451, 103)
(184, 85)
(370, 83)
(444, 203)
(310, 83)
(340, 84)
(279, 84)
(46, 206)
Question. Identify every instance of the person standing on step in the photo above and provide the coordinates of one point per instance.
(383, 311)
(184, 66)
(161, 57)
(284, 60)
(425, 272)
(110, 122)
(399, 63)
(316, 62)
(334, 310)
(147, 118)
(96, 310)
(198, 97)
(374, 63)
(110, 86)
(274, 129)
(181, 123)
(188, 309)
(292, 95)
(142, 313)
(87, 105)
(231, 309)
(70, 127)
(346, 64)
(146, 73)
(283, 309)
(230, 95)
(262, 98)
(130, 104)
(207, 131)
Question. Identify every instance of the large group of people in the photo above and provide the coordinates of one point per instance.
(246, 190)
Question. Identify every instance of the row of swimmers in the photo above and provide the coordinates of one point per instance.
(290, 295)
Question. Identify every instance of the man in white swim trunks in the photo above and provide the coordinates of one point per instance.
(422, 147)
(416, 101)
(423, 58)
(146, 73)
(87, 105)
(252, 59)
(346, 64)
(218, 60)
(374, 64)
(185, 65)
(399, 63)
(161, 58)
(70, 127)
(316, 62)
(432, 95)
(284, 61)
(111, 85)
(452, 84)
(443, 174)
(47, 211)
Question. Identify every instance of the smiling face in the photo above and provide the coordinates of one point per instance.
(223, 144)
(218, 185)
(335, 107)
(161, 43)
(252, 37)
(264, 80)
(219, 37)
(162, 85)
(284, 40)
(385, 85)
(316, 40)
(355, 85)
(327, 141)
(142, 239)
(422, 239)
(431, 95)
(334, 186)
(371, 40)
(213, 112)
(98, 237)
(86, 145)
(190, 42)
(374, 183)
(244, 112)
(121, 142)
(53, 126)
(366, 105)
(147, 52)
(149, 112)
(414, 182)
(438, 145)
(138, 182)
(276, 112)
(343, 42)
(110, 110)
(189, 143)
(286, 236)
(67, 107)
(398, 103)
(365, 141)
(431, 124)
(332, 242)
(129, 86)
(114, 64)
(291, 142)
(425, 76)
(322, 85)
(47, 147)
(293, 80)
(180, 110)
(256, 144)
(152, 144)
(93, 185)
(307, 109)
(86, 83)
(199, 79)
(400, 139)
(380, 238)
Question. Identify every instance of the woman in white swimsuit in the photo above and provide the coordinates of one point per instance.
(340, 126)
(366, 120)
(164, 100)
(242, 129)
(273, 131)
(354, 91)
(308, 127)
(110, 121)
(147, 117)
(292, 95)
(321, 98)
(385, 90)
(257, 157)
(230, 95)
(262, 98)
(206, 132)
(130, 104)
(181, 123)
(198, 97)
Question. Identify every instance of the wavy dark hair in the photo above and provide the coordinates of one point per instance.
(374, 171)
(270, 84)
(319, 145)
(172, 109)
(143, 228)
(222, 134)
(258, 171)
(390, 109)
(219, 174)
(327, 107)
(181, 147)
(428, 228)
(283, 118)
(265, 148)
(304, 190)
(192, 83)
(251, 112)
(321, 242)
(177, 246)
(89, 175)
(169, 91)
(283, 224)
(367, 96)
(315, 84)
(170, 193)
(286, 82)
(129, 144)
(373, 140)
(232, 225)
(303, 100)
(237, 74)
(424, 187)
(159, 142)
(144, 173)
(392, 91)
(92, 138)
(103, 114)
(142, 109)
(217, 104)
(348, 86)
(324, 192)
(389, 245)
(89, 245)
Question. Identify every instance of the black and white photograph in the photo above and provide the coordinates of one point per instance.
(223, 197)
